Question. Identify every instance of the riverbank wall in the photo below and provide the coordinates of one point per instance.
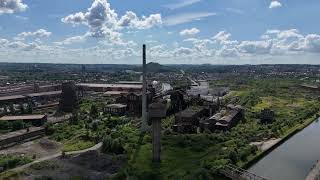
(284, 138)
(314, 174)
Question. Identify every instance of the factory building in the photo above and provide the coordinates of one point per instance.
(35, 120)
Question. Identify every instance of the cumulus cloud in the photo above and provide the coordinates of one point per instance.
(76, 18)
(275, 4)
(103, 21)
(228, 52)
(277, 43)
(191, 31)
(182, 51)
(11, 6)
(312, 43)
(39, 33)
(3, 42)
(130, 19)
(255, 47)
(18, 45)
(223, 38)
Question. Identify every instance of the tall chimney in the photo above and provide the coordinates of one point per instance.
(144, 91)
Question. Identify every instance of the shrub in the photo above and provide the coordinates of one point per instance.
(49, 129)
(17, 125)
(112, 145)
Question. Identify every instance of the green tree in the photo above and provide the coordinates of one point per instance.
(94, 111)
(17, 125)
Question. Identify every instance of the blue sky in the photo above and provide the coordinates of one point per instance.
(175, 31)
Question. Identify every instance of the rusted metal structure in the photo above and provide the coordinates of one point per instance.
(236, 173)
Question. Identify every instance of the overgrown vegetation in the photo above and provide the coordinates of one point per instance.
(85, 128)
(12, 161)
(201, 156)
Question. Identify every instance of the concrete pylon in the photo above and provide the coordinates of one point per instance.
(157, 112)
(144, 122)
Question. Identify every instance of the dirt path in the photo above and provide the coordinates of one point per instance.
(95, 147)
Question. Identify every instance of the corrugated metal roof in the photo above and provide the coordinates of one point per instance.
(6, 98)
(116, 106)
(133, 86)
(44, 93)
(26, 117)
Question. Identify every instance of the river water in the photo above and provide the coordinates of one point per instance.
(293, 159)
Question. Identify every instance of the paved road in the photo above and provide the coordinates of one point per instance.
(95, 147)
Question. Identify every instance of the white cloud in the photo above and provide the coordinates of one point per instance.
(103, 22)
(76, 18)
(191, 31)
(39, 33)
(3, 42)
(273, 31)
(186, 17)
(130, 19)
(11, 6)
(182, 51)
(255, 47)
(181, 3)
(228, 52)
(18, 45)
(312, 43)
(291, 33)
(278, 44)
(275, 4)
(72, 40)
(223, 38)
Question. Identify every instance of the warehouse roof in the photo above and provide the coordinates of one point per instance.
(6, 98)
(116, 106)
(44, 94)
(26, 117)
(133, 86)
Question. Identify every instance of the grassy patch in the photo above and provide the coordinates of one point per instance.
(77, 144)
(44, 165)
(12, 175)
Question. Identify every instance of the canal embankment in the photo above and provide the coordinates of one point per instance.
(293, 157)
(314, 174)
(279, 142)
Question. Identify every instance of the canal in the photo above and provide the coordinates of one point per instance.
(293, 159)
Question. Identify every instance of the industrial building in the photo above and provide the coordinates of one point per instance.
(110, 87)
(35, 120)
(231, 118)
(115, 109)
(188, 120)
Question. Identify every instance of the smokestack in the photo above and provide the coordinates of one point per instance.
(144, 91)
